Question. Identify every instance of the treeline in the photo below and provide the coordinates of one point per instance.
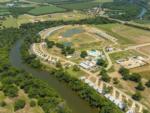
(86, 92)
(46, 97)
(13, 80)
(137, 26)
(122, 9)
(7, 39)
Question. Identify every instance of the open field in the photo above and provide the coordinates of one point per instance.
(123, 55)
(83, 5)
(145, 49)
(127, 35)
(22, 19)
(45, 9)
(144, 71)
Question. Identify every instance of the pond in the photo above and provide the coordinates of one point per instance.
(71, 32)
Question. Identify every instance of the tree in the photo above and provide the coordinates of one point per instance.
(148, 84)
(104, 76)
(10, 90)
(2, 103)
(101, 62)
(140, 86)
(125, 73)
(137, 96)
(135, 77)
(67, 50)
(19, 104)
(50, 44)
(76, 68)
(32, 103)
(83, 54)
(115, 80)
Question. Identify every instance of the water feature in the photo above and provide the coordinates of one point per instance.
(72, 99)
(71, 32)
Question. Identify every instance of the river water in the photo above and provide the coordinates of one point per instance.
(76, 104)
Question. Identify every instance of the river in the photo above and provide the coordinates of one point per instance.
(76, 104)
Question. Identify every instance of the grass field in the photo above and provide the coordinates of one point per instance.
(83, 5)
(123, 54)
(45, 10)
(2, 1)
(145, 49)
(127, 35)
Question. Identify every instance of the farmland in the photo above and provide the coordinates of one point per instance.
(127, 35)
(45, 10)
(82, 5)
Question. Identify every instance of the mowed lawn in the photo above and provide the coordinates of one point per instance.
(46, 10)
(125, 34)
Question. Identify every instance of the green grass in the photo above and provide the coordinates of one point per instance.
(2, 1)
(123, 54)
(45, 10)
(75, 73)
(4, 11)
(145, 74)
(82, 5)
(125, 34)
(2, 96)
(10, 22)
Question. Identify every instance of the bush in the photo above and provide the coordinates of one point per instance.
(148, 84)
(2, 104)
(125, 73)
(104, 76)
(137, 96)
(140, 86)
(115, 81)
(83, 54)
(32, 103)
(101, 62)
(10, 90)
(135, 77)
(76, 68)
(19, 104)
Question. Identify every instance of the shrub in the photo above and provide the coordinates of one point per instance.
(83, 54)
(140, 86)
(2, 104)
(32, 103)
(148, 83)
(10, 90)
(19, 104)
(137, 96)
